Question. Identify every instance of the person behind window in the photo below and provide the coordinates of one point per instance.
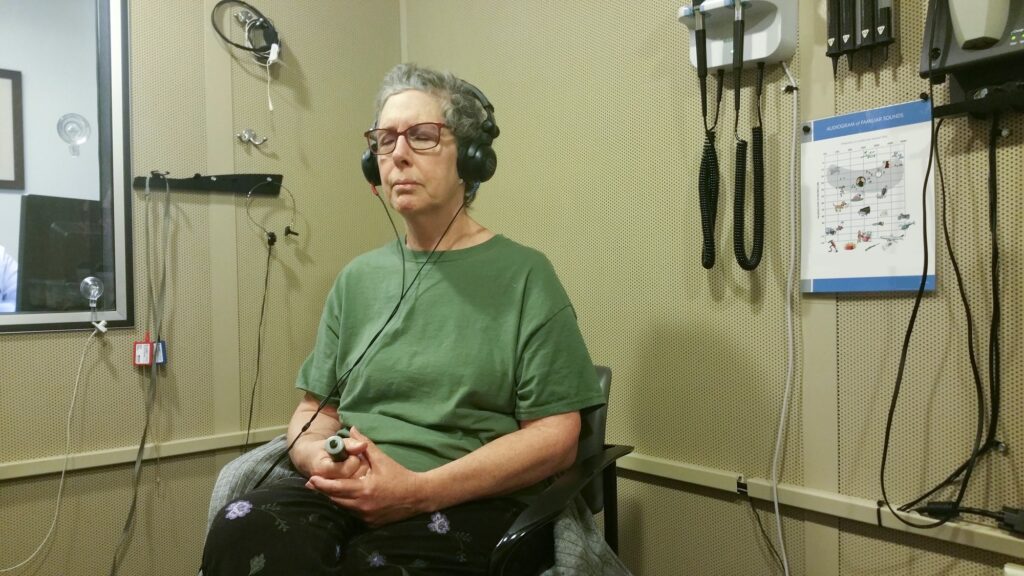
(8, 281)
(470, 395)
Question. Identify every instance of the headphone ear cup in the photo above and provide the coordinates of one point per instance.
(477, 163)
(370, 169)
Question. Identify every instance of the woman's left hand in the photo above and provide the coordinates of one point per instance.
(387, 493)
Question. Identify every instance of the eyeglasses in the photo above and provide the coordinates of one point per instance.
(422, 136)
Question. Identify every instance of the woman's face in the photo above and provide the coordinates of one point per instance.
(419, 182)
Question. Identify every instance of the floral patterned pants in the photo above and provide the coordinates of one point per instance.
(287, 529)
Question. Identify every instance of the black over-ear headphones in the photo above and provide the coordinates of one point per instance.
(477, 160)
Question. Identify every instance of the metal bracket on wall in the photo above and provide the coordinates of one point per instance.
(249, 136)
(233, 183)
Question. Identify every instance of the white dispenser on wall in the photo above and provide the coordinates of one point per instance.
(978, 24)
(770, 30)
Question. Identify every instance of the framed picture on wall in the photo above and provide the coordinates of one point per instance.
(12, 151)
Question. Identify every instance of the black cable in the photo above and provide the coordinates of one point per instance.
(994, 368)
(969, 469)
(916, 307)
(708, 179)
(156, 303)
(906, 346)
(767, 540)
(981, 512)
(707, 191)
(975, 372)
(402, 294)
(270, 36)
(739, 198)
(720, 87)
(259, 346)
(708, 176)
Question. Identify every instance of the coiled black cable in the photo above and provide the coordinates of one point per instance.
(707, 188)
(258, 22)
(708, 179)
(739, 198)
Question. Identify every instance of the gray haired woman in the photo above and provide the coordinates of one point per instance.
(452, 357)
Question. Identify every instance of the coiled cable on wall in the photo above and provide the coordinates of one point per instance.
(708, 177)
(739, 198)
(257, 22)
(264, 54)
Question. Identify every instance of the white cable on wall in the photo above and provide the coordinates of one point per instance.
(67, 456)
(790, 361)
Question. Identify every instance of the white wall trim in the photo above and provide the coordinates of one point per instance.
(126, 454)
(824, 502)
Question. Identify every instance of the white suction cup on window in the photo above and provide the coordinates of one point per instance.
(91, 289)
(75, 130)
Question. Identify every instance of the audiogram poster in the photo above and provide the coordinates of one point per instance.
(862, 180)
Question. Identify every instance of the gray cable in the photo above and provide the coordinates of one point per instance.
(157, 307)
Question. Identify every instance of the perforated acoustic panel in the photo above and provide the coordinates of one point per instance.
(936, 417)
(167, 93)
(334, 57)
(169, 527)
(323, 101)
(597, 167)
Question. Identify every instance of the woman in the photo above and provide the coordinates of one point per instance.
(461, 377)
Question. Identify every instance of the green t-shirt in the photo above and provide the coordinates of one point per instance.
(485, 337)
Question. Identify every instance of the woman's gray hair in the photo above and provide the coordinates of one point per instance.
(463, 113)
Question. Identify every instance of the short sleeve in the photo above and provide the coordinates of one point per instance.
(318, 373)
(554, 372)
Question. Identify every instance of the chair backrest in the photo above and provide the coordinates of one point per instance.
(592, 430)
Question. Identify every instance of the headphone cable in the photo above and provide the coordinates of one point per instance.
(344, 377)
(259, 345)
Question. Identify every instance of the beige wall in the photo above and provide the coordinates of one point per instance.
(190, 96)
(597, 168)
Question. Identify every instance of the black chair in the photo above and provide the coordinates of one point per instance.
(593, 476)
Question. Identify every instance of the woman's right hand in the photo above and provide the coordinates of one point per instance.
(321, 464)
(308, 454)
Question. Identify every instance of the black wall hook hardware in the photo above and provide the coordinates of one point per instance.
(232, 183)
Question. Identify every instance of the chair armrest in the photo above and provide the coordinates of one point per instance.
(555, 498)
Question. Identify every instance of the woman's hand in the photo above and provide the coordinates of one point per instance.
(320, 463)
(383, 491)
(308, 454)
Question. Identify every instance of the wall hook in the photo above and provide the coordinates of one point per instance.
(249, 136)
